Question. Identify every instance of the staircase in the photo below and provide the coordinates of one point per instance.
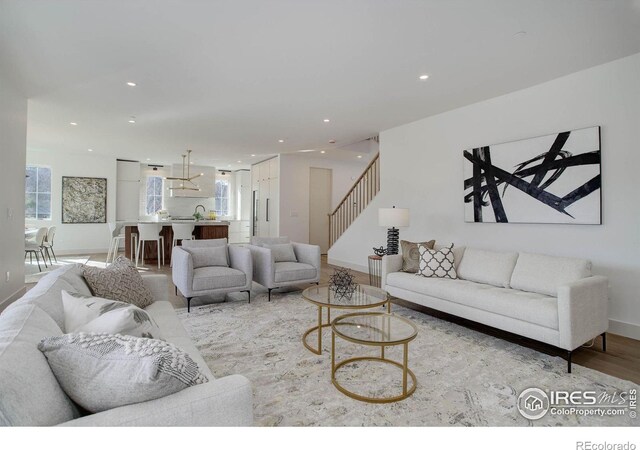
(356, 200)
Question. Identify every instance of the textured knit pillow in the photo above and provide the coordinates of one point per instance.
(100, 315)
(120, 281)
(102, 371)
(282, 252)
(437, 263)
(411, 255)
(208, 256)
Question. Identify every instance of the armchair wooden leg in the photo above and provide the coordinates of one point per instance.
(604, 341)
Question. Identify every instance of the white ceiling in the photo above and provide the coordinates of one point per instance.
(229, 78)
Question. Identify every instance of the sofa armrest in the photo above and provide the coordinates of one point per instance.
(390, 264)
(240, 258)
(308, 254)
(182, 270)
(225, 402)
(157, 284)
(583, 311)
(264, 269)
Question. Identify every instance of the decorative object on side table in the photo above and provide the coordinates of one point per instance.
(392, 218)
(341, 282)
(380, 251)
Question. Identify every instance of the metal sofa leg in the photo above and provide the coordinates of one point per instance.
(249, 294)
(569, 361)
(604, 341)
(270, 289)
(176, 289)
(188, 304)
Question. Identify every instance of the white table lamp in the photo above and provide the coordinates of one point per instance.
(392, 218)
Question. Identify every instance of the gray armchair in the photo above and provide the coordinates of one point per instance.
(210, 266)
(272, 274)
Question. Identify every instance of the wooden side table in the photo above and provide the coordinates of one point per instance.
(375, 270)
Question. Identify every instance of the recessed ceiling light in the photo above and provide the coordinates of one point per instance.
(132, 121)
(191, 162)
(253, 155)
(326, 120)
(322, 151)
(306, 151)
(281, 140)
(423, 77)
(131, 83)
(89, 149)
(73, 123)
(239, 162)
(148, 159)
(359, 156)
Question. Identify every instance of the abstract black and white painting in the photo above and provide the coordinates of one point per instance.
(84, 200)
(547, 179)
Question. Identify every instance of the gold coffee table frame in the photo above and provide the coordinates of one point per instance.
(406, 372)
(328, 301)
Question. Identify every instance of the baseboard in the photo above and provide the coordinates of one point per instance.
(348, 265)
(630, 330)
(12, 298)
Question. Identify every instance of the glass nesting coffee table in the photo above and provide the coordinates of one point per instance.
(377, 329)
(363, 296)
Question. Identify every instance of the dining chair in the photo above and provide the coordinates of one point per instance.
(48, 244)
(35, 246)
(149, 232)
(181, 232)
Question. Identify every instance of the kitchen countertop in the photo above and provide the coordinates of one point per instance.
(198, 223)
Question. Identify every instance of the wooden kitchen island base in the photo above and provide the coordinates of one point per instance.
(201, 231)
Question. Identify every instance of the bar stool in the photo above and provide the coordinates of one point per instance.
(181, 232)
(150, 232)
(117, 234)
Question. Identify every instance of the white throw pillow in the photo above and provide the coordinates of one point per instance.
(101, 315)
(282, 252)
(104, 371)
(437, 263)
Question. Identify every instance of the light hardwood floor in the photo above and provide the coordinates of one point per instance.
(622, 358)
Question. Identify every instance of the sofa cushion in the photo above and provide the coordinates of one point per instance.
(209, 256)
(204, 243)
(488, 267)
(217, 277)
(120, 281)
(526, 306)
(100, 315)
(543, 274)
(458, 253)
(282, 252)
(411, 256)
(29, 392)
(101, 371)
(436, 263)
(293, 271)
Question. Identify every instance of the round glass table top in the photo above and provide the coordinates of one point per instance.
(364, 296)
(374, 328)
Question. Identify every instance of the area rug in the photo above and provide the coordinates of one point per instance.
(465, 378)
(33, 275)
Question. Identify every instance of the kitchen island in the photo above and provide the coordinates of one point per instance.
(204, 229)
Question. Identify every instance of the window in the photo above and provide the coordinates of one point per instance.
(38, 193)
(154, 195)
(221, 204)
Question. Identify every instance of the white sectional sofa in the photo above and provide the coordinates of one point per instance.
(546, 298)
(30, 394)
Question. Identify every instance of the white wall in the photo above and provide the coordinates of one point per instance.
(294, 188)
(13, 144)
(421, 169)
(77, 238)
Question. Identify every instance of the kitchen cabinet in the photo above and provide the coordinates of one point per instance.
(127, 190)
(265, 183)
(239, 231)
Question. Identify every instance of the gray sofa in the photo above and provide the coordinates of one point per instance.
(549, 299)
(30, 394)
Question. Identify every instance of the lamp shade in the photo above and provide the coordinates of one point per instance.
(393, 217)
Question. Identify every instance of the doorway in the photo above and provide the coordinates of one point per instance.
(320, 185)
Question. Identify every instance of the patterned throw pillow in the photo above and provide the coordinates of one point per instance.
(437, 263)
(120, 281)
(411, 255)
(100, 315)
(101, 371)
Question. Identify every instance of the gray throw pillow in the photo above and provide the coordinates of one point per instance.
(411, 256)
(120, 281)
(208, 256)
(101, 371)
(282, 252)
